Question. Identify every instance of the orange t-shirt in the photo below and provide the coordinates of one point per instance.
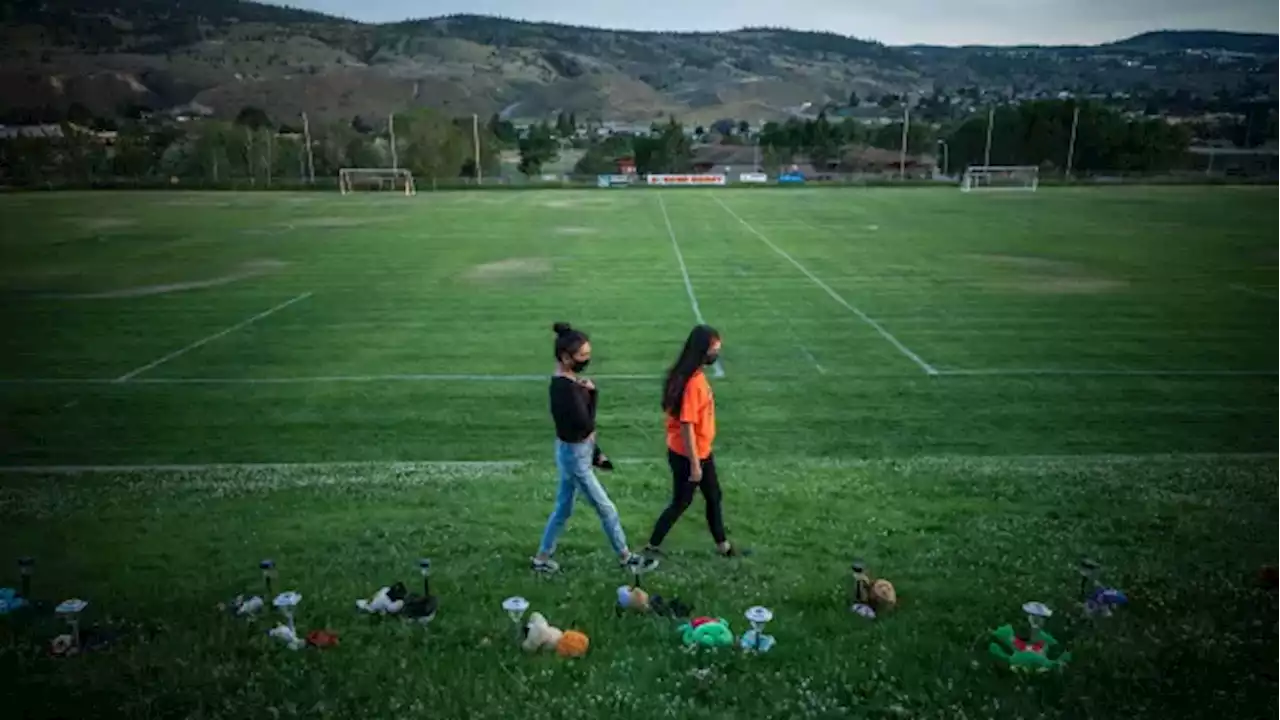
(699, 409)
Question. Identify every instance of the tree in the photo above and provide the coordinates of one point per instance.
(563, 126)
(888, 100)
(431, 145)
(81, 115)
(667, 150)
(362, 126)
(601, 158)
(853, 99)
(723, 126)
(537, 148)
(252, 117)
(744, 127)
(504, 131)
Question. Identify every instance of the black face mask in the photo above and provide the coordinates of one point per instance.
(580, 365)
(711, 358)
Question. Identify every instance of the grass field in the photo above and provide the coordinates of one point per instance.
(968, 391)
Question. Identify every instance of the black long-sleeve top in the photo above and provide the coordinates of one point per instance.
(573, 407)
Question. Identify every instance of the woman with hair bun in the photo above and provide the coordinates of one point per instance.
(573, 408)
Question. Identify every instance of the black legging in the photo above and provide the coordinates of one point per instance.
(682, 497)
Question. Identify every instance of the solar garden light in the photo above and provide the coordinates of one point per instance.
(268, 568)
(1037, 613)
(26, 568)
(516, 607)
(1088, 576)
(758, 616)
(70, 611)
(287, 603)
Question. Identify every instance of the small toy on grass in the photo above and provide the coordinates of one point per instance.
(249, 606)
(1098, 601)
(389, 600)
(1031, 654)
(869, 597)
(706, 632)
(516, 607)
(754, 640)
(11, 599)
(287, 603)
(541, 635)
(422, 607)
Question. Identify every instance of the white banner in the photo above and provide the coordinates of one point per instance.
(686, 179)
(753, 178)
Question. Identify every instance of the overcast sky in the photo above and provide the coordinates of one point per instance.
(896, 22)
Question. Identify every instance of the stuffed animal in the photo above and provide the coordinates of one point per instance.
(387, 601)
(707, 632)
(541, 635)
(883, 597)
(632, 599)
(573, 644)
(869, 597)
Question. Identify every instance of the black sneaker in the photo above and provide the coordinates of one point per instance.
(546, 567)
(653, 551)
(638, 564)
(733, 552)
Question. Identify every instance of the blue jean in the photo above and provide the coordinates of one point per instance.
(573, 460)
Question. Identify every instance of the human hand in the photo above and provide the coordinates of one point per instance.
(695, 472)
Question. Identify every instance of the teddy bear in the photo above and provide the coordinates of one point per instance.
(542, 635)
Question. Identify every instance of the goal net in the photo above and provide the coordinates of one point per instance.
(1000, 177)
(375, 179)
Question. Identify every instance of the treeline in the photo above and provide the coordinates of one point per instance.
(250, 150)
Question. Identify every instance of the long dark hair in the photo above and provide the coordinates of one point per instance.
(568, 340)
(691, 358)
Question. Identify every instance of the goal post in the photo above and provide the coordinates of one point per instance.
(1000, 177)
(375, 179)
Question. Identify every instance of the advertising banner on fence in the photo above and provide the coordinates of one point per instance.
(686, 179)
(607, 181)
(791, 177)
(753, 177)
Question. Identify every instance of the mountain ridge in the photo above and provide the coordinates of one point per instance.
(226, 54)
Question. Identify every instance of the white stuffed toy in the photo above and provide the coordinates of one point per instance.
(381, 603)
(540, 635)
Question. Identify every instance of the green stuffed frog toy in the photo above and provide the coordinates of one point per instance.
(707, 632)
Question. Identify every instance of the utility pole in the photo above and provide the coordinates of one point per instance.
(475, 137)
(991, 121)
(906, 126)
(311, 160)
(1071, 145)
(391, 131)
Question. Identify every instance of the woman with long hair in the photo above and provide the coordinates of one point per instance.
(573, 408)
(690, 411)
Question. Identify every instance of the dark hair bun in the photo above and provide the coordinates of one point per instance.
(562, 328)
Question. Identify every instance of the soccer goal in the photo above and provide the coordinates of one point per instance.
(375, 179)
(1000, 177)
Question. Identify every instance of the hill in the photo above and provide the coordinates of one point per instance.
(223, 54)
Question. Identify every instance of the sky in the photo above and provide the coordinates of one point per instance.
(894, 22)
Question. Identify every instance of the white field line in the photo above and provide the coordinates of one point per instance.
(1102, 372)
(304, 379)
(182, 351)
(447, 378)
(1253, 291)
(929, 369)
(716, 370)
(494, 465)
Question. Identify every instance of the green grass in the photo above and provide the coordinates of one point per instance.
(1105, 385)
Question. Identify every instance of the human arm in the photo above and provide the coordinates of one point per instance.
(695, 464)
